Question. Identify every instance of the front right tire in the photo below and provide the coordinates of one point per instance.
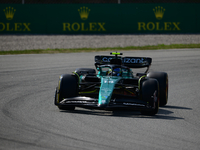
(150, 94)
(162, 79)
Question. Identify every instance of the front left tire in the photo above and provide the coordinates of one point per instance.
(67, 87)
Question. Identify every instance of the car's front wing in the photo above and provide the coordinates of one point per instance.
(92, 103)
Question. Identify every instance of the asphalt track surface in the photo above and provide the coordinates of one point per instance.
(29, 119)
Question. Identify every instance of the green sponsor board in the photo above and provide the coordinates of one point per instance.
(197, 19)
(99, 18)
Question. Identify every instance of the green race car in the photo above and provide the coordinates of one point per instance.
(113, 86)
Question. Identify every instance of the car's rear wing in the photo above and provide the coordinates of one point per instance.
(136, 62)
(131, 62)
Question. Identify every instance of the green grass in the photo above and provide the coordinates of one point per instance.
(77, 50)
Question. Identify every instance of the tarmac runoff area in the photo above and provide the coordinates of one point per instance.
(30, 42)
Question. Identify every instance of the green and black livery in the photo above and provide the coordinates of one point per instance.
(114, 86)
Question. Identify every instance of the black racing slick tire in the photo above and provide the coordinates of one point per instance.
(162, 79)
(67, 87)
(150, 94)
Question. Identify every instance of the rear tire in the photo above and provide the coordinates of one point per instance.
(162, 79)
(150, 94)
(67, 87)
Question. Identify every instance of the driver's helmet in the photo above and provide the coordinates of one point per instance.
(109, 72)
(117, 72)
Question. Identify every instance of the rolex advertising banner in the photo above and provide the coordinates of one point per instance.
(99, 18)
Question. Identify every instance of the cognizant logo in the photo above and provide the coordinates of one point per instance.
(133, 60)
(106, 59)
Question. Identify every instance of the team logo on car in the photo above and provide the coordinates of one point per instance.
(133, 60)
(106, 59)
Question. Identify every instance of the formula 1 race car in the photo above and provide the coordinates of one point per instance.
(114, 86)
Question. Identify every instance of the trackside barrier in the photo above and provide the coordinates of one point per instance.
(99, 18)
